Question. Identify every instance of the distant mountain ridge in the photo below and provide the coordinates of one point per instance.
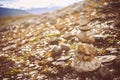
(11, 12)
(41, 10)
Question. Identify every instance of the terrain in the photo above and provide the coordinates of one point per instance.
(78, 42)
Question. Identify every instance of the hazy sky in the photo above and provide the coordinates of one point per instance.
(27, 4)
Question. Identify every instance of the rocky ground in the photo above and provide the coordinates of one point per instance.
(79, 42)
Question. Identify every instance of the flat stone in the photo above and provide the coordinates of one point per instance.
(112, 50)
(63, 58)
(107, 58)
(85, 28)
(85, 66)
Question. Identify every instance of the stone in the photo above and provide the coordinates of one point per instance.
(65, 47)
(112, 50)
(50, 59)
(106, 58)
(118, 43)
(31, 65)
(84, 28)
(85, 59)
(54, 41)
(86, 37)
(75, 32)
(58, 63)
(85, 66)
(63, 58)
(86, 49)
(9, 47)
(56, 51)
(67, 35)
(5, 78)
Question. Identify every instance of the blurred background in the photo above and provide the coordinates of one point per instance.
(16, 7)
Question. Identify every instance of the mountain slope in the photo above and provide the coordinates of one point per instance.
(79, 42)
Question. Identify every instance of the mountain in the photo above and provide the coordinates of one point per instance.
(41, 10)
(11, 12)
(78, 42)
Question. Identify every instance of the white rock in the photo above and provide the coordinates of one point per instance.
(5, 78)
(9, 47)
(33, 72)
(75, 32)
(19, 75)
(107, 58)
(85, 28)
(85, 66)
(58, 63)
(31, 65)
(99, 35)
(118, 42)
(62, 58)
(50, 59)
(112, 50)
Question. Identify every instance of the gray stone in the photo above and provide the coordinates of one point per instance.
(56, 51)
